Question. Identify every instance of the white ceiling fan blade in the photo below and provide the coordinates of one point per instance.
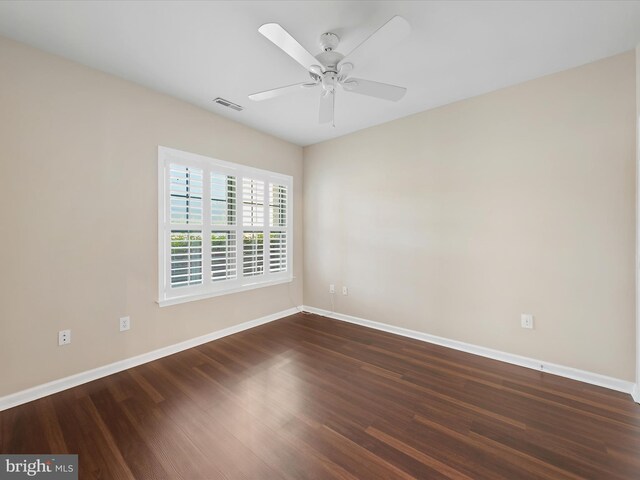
(276, 92)
(283, 39)
(378, 42)
(374, 89)
(326, 107)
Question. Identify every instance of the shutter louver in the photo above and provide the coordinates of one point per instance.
(252, 202)
(186, 195)
(186, 258)
(278, 252)
(252, 253)
(278, 196)
(278, 207)
(223, 255)
(223, 199)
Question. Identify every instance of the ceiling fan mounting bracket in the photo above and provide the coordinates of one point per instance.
(329, 41)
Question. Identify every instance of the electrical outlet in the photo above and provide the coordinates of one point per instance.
(526, 320)
(332, 288)
(125, 323)
(345, 291)
(64, 337)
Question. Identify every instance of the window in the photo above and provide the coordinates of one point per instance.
(206, 208)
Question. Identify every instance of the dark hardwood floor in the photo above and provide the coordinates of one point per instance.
(310, 397)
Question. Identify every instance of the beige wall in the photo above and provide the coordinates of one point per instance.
(78, 215)
(456, 220)
(452, 222)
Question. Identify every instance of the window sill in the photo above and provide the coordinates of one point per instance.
(201, 296)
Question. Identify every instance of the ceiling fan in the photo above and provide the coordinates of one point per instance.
(331, 68)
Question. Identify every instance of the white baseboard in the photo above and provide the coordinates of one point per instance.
(560, 370)
(636, 393)
(55, 386)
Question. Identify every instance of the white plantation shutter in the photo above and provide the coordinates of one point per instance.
(278, 252)
(186, 257)
(278, 201)
(252, 202)
(186, 195)
(278, 244)
(253, 253)
(223, 199)
(185, 201)
(252, 216)
(223, 255)
(224, 227)
(224, 250)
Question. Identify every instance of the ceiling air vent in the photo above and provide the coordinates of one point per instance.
(227, 103)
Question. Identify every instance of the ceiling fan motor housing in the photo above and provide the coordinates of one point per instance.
(329, 58)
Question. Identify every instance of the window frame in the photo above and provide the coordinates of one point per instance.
(168, 295)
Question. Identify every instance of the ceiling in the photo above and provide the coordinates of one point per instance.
(197, 51)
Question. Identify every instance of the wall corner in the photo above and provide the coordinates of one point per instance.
(636, 390)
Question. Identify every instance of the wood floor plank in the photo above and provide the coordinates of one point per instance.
(307, 397)
(139, 458)
(422, 457)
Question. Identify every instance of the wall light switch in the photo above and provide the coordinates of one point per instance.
(332, 288)
(345, 291)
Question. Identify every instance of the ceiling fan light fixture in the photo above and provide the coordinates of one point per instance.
(329, 82)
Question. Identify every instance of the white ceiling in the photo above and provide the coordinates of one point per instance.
(197, 51)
